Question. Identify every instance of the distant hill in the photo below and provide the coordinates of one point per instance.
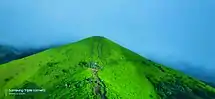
(207, 75)
(196, 71)
(9, 53)
(211, 84)
(97, 68)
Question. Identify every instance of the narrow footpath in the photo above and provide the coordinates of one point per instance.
(99, 87)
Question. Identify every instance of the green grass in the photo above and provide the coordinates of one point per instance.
(65, 73)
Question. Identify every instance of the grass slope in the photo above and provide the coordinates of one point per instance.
(97, 68)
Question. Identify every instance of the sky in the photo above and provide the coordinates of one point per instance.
(165, 30)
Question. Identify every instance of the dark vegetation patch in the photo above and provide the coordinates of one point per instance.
(150, 60)
(160, 68)
(83, 64)
(149, 63)
(8, 79)
(57, 76)
(145, 63)
(46, 73)
(166, 89)
(51, 64)
(65, 71)
(151, 96)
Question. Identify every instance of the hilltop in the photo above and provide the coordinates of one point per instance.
(97, 68)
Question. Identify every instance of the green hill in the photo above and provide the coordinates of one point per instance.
(96, 68)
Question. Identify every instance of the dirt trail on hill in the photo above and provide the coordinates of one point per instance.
(99, 88)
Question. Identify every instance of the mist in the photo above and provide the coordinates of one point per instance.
(166, 31)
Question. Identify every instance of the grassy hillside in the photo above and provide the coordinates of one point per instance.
(97, 68)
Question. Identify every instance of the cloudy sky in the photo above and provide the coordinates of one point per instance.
(166, 30)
